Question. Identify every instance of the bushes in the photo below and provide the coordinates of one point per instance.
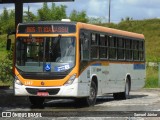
(6, 69)
(151, 77)
(6, 58)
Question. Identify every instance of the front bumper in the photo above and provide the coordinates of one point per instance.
(74, 90)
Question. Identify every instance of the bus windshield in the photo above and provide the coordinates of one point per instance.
(45, 54)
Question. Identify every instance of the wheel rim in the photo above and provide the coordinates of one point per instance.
(92, 94)
(127, 89)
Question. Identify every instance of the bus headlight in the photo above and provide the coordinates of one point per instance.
(17, 81)
(71, 79)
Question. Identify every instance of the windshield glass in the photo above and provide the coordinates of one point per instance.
(45, 54)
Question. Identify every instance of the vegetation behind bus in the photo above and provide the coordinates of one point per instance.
(152, 77)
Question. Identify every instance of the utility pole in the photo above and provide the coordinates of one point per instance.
(109, 14)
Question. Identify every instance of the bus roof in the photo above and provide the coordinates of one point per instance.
(110, 30)
(90, 27)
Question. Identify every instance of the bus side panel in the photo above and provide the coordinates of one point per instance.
(102, 74)
(138, 77)
(100, 71)
(84, 79)
(119, 72)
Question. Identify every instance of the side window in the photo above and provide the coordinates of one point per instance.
(103, 46)
(120, 48)
(135, 50)
(128, 53)
(94, 40)
(112, 48)
(95, 45)
(84, 40)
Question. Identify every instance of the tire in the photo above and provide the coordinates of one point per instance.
(37, 101)
(90, 100)
(117, 96)
(123, 95)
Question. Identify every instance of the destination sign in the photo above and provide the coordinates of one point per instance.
(55, 28)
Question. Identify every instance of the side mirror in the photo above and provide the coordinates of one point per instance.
(8, 44)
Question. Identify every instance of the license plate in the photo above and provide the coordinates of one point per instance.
(42, 93)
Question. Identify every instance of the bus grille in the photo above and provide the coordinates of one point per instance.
(42, 76)
(50, 91)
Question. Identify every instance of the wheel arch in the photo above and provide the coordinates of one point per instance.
(95, 80)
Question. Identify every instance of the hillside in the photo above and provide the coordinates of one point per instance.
(150, 28)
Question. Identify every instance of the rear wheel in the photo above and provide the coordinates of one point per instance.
(125, 94)
(127, 90)
(91, 99)
(37, 101)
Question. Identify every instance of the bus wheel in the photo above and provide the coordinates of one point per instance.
(116, 96)
(38, 101)
(90, 100)
(123, 95)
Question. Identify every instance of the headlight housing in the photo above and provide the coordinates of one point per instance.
(71, 80)
(17, 81)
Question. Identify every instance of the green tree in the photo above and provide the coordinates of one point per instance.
(29, 16)
(53, 9)
(53, 13)
(59, 12)
(7, 21)
(5, 15)
(79, 16)
(44, 12)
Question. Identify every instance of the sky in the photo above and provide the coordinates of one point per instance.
(136, 9)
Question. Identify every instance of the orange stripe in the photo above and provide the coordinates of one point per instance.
(110, 30)
(44, 35)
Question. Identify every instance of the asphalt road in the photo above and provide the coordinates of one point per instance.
(143, 103)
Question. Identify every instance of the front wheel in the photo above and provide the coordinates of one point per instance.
(91, 99)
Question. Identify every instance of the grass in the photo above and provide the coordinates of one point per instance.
(151, 77)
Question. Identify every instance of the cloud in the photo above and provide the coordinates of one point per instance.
(137, 9)
(96, 8)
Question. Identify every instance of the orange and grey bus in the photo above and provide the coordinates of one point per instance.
(76, 60)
